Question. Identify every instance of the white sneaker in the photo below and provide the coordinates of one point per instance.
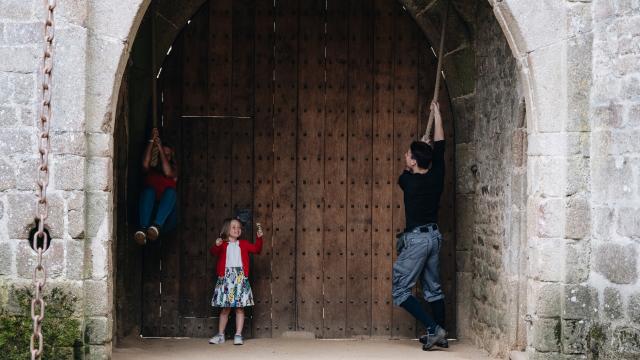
(238, 340)
(218, 339)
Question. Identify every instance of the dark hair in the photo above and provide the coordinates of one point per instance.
(226, 226)
(422, 153)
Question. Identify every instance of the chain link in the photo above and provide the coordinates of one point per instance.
(42, 208)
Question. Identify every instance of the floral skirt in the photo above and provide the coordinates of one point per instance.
(232, 290)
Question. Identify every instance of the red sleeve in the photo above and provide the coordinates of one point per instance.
(256, 247)
(215, 250)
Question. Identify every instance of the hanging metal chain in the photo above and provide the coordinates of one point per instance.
(40, 239)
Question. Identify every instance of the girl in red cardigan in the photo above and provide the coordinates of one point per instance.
(232, 288)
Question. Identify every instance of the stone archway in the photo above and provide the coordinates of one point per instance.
(535, 54)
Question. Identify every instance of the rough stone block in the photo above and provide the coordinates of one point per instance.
(578, 217)
(550, 218)
(69, 143)
(463, 318)
(74, 259)
(465, 220)
(69, 91)
(24, 88)
(98, 330)
(69, 172)
(555, 144)
(101, 82)
(612, 304)
(631, 88)
(465, 179)
(23, 59)
(633, 309)
(602, 218)
(546, 252)
(97, 254)
(98, 352)
(547, 66)
(8, 116)
(579, 80)
(616, 262)
(18, 10)
(21, 215)
(100, 145)
(75, 215)
(626, 343)
(463, 261)
(97, 297)
(6, 257)
(547, 335)
(27, 172)
(17, 141)
(98, 214)
(52, 259)
(609, 179)
(577, 262)
(23, 33)
(608, 116)
(574, 336)
(579, 302)
(100, 174)
(547, 299)
(73, 11)
(629, 222)
(7, 175)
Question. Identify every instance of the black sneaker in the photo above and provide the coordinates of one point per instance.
(429, 340)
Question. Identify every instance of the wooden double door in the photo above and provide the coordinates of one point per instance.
(300, 111)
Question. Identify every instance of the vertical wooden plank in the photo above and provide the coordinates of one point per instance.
(310, 180)
(242, 109)
(335, 190)
(219, 56)
(405, 131)
(263, 160)
(383, 174)
(193, 184)
(359, 149)
(284, 187)
(171, 111)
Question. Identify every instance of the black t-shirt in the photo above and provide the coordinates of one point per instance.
(422, 191)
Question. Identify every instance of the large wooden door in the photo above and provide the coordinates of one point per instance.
(301, 111)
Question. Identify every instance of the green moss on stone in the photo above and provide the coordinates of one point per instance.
(61, 330)
(596, 339)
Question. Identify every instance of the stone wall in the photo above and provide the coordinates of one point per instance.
(614, 113)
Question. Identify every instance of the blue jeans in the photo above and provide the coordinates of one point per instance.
(419, 257)
(166, 208)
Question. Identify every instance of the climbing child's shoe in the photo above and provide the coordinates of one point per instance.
(140, 237)
(238, 340)
(218, 339)
(153, 232)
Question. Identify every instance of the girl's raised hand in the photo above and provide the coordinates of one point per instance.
(218, 241)
(259, 232)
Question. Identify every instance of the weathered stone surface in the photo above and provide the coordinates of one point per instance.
(97, 297)
(69, 172)
(100, 145)
(574, 336)
(547, 302)
(6, 257)
(633, 309)
(98, 213)
(69, 143)
(550, 218)
(98, 330)
(75, 215)
(23, 33)
(577, 262)
(546, 335)
(626, 342)
(465, 230)
(23, 59)
(579, 302)
(465, 181)
(629, 222)
(579, 78)
(18, 10)
(27, 172)
(74, 259)
(618, 263)
(544, 252)
(17, 141)
(53, 259)
(464, 114)
(100, 174)
(69, 92)
(605, 169)
(612, 304)
(8, 116)
(7, 175)
(578, 217)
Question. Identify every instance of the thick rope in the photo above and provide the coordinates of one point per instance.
(436, 92)
(154, 86)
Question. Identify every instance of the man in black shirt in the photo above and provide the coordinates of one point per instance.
(422, 183)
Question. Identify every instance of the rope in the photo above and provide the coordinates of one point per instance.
(154, 86)
(436, 92)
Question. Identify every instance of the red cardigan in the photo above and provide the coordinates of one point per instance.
(245, 248)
